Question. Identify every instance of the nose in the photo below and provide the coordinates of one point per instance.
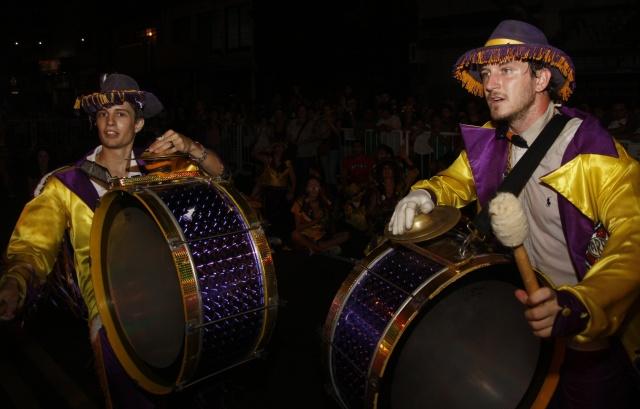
(110, 118)
(491, 82)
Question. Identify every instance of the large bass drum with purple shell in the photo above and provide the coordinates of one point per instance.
(184, 278)
(419, 326)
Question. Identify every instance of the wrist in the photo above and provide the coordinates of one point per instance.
(198, 152)
(14, 281)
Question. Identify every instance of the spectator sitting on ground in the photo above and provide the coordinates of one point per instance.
(314, 229)
(275, 188)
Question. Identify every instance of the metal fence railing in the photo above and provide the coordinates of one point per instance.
(68, 138)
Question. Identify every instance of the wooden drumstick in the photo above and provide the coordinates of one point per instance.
(510, 226)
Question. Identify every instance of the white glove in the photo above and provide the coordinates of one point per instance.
(418, 201)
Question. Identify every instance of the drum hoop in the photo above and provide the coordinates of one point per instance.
(157, 178)
(429, 290)
(409, 310)
(188, 283)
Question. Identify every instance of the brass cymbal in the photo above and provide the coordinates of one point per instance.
(165, 163)
(148, 156)
(427, 226)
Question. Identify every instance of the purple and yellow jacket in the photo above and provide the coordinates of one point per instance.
(66, 203)
(597, 182)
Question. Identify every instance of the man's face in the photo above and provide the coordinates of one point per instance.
(509, 90)
(117, 126)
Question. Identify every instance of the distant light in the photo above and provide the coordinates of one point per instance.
(82, 40)
(39, 42)
(16, 43)
(150, 32)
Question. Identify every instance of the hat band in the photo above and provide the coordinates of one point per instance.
(501, 41)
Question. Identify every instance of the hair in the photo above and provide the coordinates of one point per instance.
(552, 87)
(395, 168)
(137, 114)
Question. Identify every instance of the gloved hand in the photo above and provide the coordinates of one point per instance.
(418, 201)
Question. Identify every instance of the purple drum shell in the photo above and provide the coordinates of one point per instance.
(227, 268)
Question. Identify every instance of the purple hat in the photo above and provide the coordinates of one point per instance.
(516, 40)
(115, 90)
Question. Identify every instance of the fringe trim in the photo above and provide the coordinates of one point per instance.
(502, 54)
(98, 100)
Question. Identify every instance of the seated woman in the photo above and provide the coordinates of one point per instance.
(276, 186)
(314, 229)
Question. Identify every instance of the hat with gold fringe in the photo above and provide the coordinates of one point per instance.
(117, 89)
(516, 40)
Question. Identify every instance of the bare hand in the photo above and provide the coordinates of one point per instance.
(9, 299)
(171, 142)
(542, 309)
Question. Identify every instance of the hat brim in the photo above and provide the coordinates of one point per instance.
(563, 71)
(146, 101)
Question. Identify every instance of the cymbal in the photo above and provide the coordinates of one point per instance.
(146, 155)
(427, 226)
(165, 163)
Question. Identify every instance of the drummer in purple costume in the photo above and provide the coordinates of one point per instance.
(582, 205)
(66, 202)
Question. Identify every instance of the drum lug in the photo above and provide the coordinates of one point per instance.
(175, 244)
(374, 383)
(191, 326)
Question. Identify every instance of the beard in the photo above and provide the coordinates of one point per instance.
(518, 112)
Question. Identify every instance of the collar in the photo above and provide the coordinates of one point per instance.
(132, 165)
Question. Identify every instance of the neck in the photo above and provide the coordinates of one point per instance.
(116, 160)
(522, 122)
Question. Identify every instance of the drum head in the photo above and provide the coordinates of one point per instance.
(470, 348)
(143, 286)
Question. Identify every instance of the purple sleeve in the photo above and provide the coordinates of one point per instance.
(573, 317)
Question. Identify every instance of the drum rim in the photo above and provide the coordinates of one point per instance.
(192, 301)
(410, 309)
(164, 220)
(406, 313)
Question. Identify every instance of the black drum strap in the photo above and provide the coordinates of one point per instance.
(521, 173)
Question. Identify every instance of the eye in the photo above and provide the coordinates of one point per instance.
(484, 75)
(101, 114)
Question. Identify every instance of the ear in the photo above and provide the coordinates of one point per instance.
(139, 124)
(543, 77)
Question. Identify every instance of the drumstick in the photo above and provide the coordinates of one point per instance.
(510, 227)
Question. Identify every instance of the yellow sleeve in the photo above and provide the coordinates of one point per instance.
(608, 190)
(36, 238)
(453, 186)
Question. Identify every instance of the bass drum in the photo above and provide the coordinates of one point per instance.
(183, 277)
(417, 327)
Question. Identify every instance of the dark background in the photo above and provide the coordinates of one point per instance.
(244, 55)
(251, 50)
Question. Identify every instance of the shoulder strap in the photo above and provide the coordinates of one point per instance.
(521, 173)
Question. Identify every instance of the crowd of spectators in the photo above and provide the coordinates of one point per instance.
(324, 172)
